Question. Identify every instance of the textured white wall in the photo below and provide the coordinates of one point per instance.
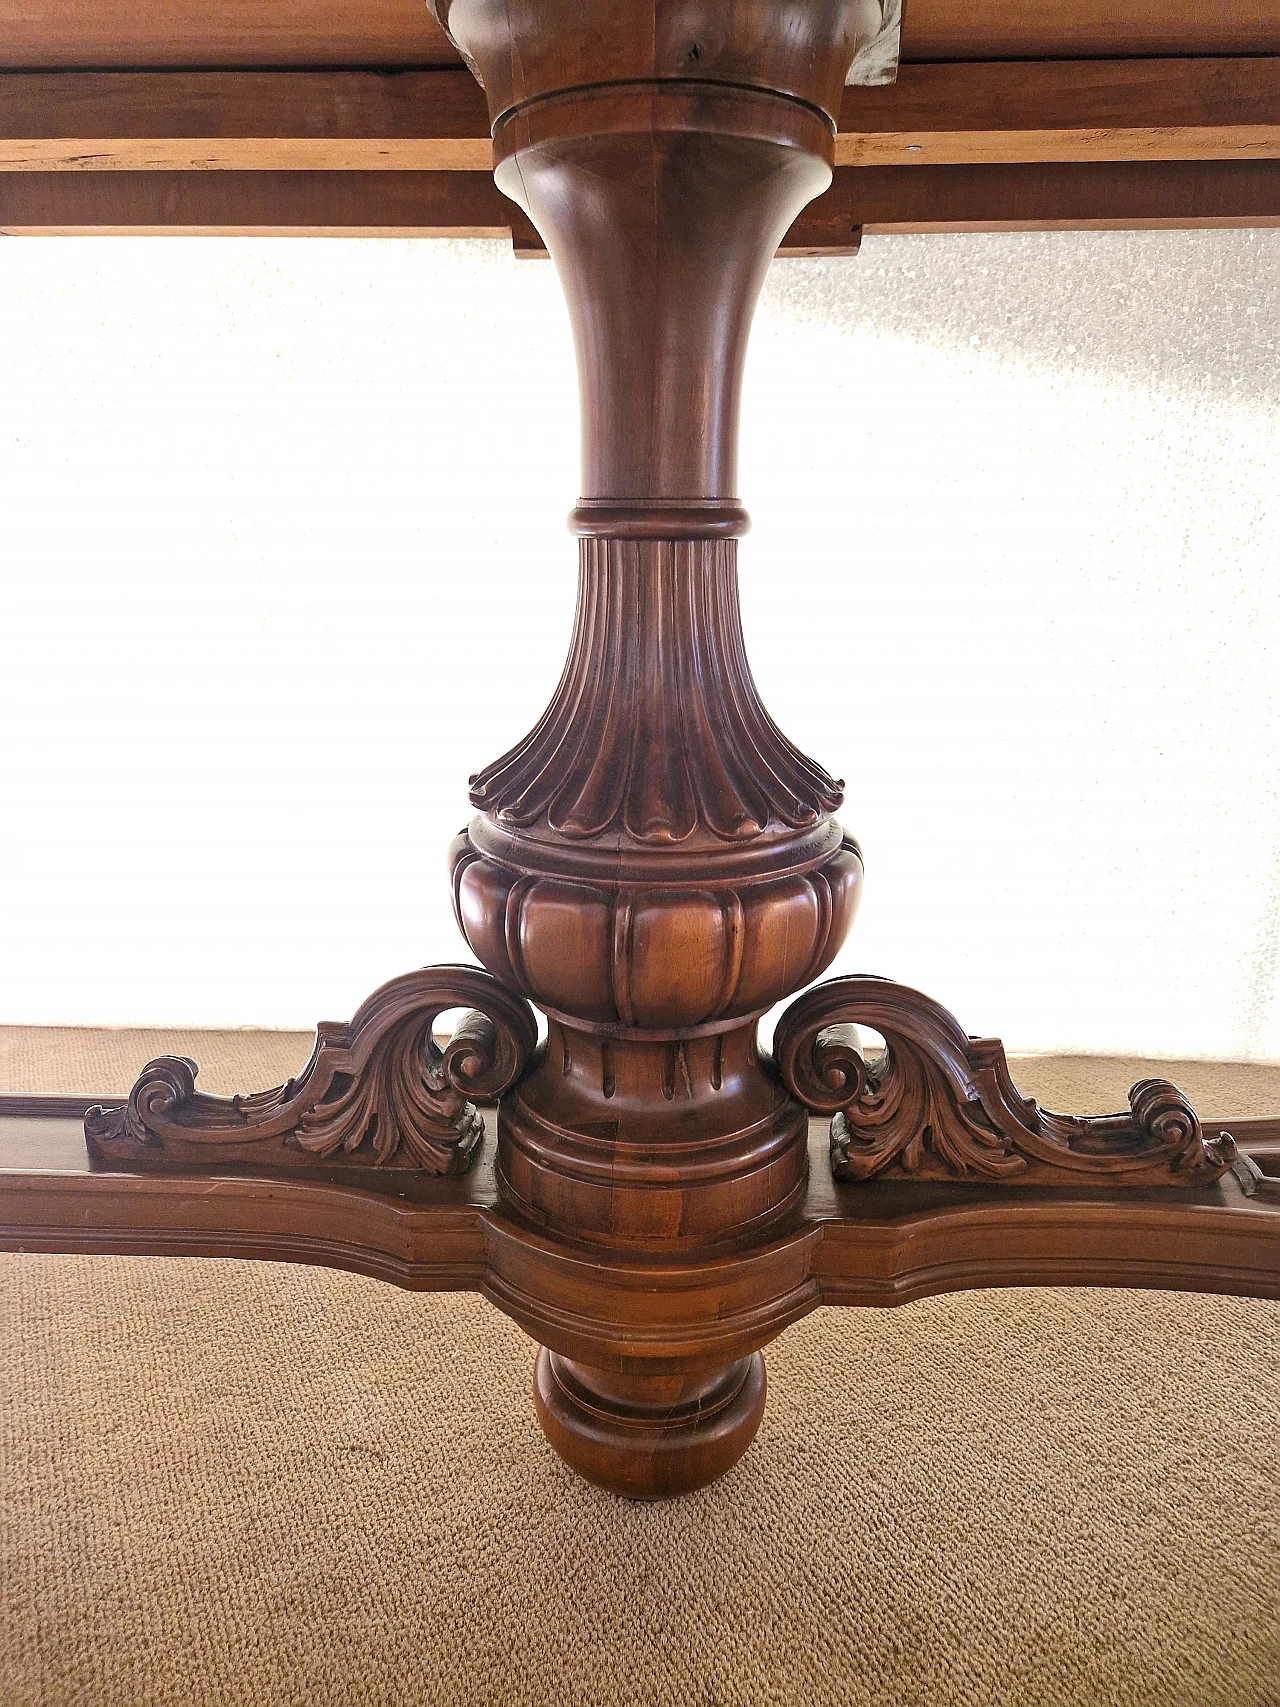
(278, 520)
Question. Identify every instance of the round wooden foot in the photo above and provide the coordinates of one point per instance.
(649, 1437)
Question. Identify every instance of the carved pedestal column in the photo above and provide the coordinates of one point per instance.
(654, 868)
(656, 865)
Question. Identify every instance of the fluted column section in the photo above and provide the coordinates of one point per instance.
(656, 728)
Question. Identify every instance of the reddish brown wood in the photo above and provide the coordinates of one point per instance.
(1089, 196)
(379, 1092)
(1254, 1136)
(876, 1243)
(403, 33)
(648, 1437)
(1069, 29)
(1065, 110)
(437, 120)
(219, 32)
(244, 120)
(939, 1104)
(296, 204)
(655, 865)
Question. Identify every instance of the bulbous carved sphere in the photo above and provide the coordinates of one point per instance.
(659, 956)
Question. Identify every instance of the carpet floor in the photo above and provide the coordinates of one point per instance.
(228, 1482)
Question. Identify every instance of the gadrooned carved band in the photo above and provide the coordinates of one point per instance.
(648, 957)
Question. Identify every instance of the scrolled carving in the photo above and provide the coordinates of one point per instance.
(165, 1085)
(938, 1104)
(1160, 1109)
(378, 1092)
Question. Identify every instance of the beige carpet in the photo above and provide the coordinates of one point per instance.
(238, 1483)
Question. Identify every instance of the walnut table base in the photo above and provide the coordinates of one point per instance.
(654, 867)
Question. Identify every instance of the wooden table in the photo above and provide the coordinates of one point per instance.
(654, 867)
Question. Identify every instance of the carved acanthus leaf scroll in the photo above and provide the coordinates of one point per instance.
(379, 1092)
(938, 1104)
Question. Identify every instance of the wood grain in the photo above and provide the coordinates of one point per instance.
(244, 121)
(114, 33)
(876, 1244)
(1087, 196)
(1154, 195)
(402, 32)
(294, 204)
(413, 120)
(1065, 110)
(1078, 29)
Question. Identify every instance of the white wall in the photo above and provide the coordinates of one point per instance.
(278, 520)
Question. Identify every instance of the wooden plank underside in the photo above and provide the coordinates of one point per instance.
(221, 32)
(1172, 194)
(436, 120)
(1075, 29)
(1134, 195)
(244, 120)
(403, 32)
(294, 204)
(1062, 110)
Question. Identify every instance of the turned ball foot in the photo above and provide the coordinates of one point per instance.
(649, 1437)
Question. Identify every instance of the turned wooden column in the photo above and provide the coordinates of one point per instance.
(655, 865)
